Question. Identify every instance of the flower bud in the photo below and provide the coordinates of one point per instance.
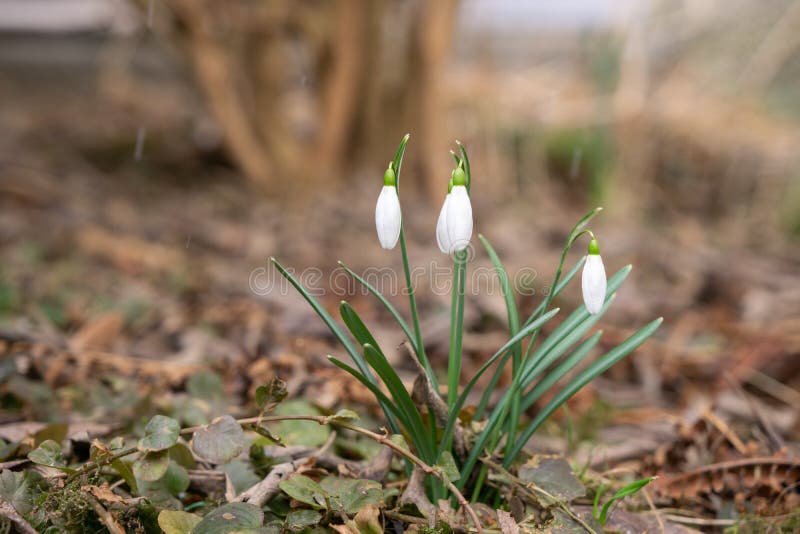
(441, 227)
(593, 280)
(458, 218)
(388, 219)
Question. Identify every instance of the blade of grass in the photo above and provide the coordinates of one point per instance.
(547, 381)
(376, 358)
(514, 341)
(375, 390)
(630, 489)
(419, 436)
(565, 340)
(586, 376)
(513, 326)
(388, 305)
(573, 235)
(338, 333)
(557, 335)
(575, 318)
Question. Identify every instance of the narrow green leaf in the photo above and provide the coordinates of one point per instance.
(630, 489)
(380, 364)
(484, 403)
(375, 390)
(559, 288)
(356, 326)
(388, 305)
(334, 328)
(586, 376)
(579, 322)
(522, 334)
(575, 318)
(327, 319)
(395, 386)
(513, 327)
(505, 287)
(561, 369)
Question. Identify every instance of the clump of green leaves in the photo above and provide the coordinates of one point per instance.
(538, 365)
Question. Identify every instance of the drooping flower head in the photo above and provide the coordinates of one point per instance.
(454, 228)
(388, 218)
(593, 280)
(441, 225)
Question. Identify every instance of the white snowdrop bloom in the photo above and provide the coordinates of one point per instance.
(441, 228)
(458, 216)
(593, 281)
(388, 218)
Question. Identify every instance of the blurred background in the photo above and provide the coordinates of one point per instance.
(154, 153)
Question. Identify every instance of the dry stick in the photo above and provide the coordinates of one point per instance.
(534, 488)
(91, 466)
(8, 511)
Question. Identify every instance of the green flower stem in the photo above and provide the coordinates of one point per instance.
(576, 232)
(412, 302)
(484, 403)
(456, 326)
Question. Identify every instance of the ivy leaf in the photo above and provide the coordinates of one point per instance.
(219, 442)
(303, 489)
(177, 522)
(300, 520)
(151, 466)
(308, 433)
(448, 466)
(554, 475)
(232, 517)
(49, 454)
(351, 495)
(270, 395)
(343, 416)
(159, 434)
(15, 489)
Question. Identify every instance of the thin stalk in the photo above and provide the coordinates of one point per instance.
(576, 232)
(456, 326)
(412, 302)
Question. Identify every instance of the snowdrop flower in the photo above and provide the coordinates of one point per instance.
(454, 228)
(441, 225)
(594, 279)
(388, 219)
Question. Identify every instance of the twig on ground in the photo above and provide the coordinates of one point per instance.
(8, 511)
(265, 490)
(92, 466)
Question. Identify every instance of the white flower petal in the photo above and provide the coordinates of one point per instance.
(388, 218)
(441, 228)
(459, 219)
(593, 283)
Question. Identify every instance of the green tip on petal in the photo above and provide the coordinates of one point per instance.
(459, 177)
(594, 247)
(389, 177)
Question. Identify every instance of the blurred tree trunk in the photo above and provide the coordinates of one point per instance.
(305, 91)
